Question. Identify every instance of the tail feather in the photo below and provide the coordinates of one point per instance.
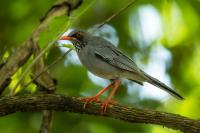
(162, 86)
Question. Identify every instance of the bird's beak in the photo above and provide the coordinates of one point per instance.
(72, 39)
(67, 38)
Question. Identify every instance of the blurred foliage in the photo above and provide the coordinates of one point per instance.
(165, 26)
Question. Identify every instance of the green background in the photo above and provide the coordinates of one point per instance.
(162, 37)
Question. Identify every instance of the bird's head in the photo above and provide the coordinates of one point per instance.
(77, 37)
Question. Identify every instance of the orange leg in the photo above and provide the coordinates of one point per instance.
(96, 97)
(108, 100)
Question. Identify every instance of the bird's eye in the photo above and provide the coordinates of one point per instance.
(78, 35)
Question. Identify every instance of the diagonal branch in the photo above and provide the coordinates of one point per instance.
(29, 47)
(45, 84)
(22, 54)
(129, 114)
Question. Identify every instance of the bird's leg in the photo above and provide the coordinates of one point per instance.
(96, 97)
(108, 100)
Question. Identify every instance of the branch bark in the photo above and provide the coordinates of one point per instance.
(55, 102)
(22, 54)
(129, 114)
(45, 84)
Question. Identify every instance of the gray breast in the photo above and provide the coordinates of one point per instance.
(96, 65)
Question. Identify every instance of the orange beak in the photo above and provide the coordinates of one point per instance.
(66, 38)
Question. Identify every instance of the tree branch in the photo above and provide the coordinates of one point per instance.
(56, 102)
(46, 121)
(22, 54)
(45, 84)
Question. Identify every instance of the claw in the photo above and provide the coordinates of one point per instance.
(88, 100)
(104, 106)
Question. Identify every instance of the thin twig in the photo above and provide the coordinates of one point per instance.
(48, 67)
(82, 12)
(45, 84)
(12, 92)
(117, 13)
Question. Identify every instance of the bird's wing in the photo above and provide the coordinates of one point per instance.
(116, 58)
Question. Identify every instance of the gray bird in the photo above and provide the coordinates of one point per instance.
(103, 59)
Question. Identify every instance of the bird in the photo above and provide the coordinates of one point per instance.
(105, 60)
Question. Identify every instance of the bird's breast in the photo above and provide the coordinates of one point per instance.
(96, 65)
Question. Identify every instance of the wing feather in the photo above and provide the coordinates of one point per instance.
(116, 58)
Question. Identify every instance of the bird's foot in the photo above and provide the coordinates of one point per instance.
(88, 100)
(105, 104)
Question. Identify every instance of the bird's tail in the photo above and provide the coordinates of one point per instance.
(162, 86)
